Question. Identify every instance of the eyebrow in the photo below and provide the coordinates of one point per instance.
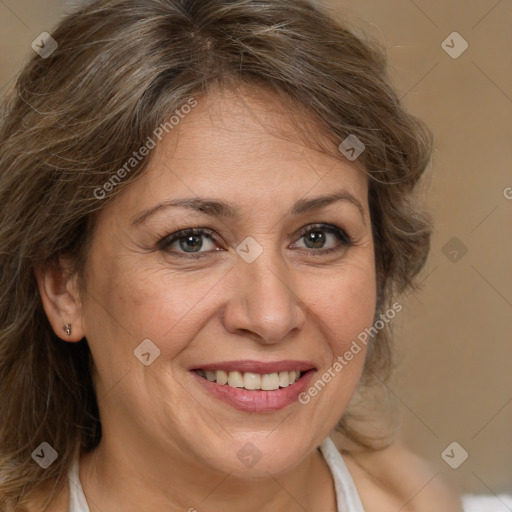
(228, 210)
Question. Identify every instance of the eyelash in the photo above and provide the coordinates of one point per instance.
(343, 239)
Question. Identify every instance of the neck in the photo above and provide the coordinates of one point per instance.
(114, 478)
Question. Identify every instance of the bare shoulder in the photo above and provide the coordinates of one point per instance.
(395, 478)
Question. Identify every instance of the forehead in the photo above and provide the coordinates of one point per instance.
(245, 146)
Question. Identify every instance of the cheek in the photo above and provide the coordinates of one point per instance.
(344, 303)
(133, 302)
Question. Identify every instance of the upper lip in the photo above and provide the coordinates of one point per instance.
(249, 365)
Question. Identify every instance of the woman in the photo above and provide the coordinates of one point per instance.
(209, 213)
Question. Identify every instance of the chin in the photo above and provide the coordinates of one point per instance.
(256, 455)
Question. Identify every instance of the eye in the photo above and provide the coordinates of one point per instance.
(322, 239)
(198, 242)
(188, 242)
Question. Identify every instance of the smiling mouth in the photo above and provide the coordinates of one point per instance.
(250, 380)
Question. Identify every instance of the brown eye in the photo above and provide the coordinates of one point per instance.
(323, 238)
(315, 239)
(191, 241)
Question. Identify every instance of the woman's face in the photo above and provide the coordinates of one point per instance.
(273, 279)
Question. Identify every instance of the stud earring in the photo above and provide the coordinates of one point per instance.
(67, 329)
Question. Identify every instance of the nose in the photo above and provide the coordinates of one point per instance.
(263, 303)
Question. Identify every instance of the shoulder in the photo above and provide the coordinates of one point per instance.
(394, 478)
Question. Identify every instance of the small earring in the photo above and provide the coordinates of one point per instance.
(67, 329)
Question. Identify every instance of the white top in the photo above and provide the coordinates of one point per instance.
(347, 497)
(477, 503)
(77, 502)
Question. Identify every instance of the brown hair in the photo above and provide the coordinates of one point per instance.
(74, 118)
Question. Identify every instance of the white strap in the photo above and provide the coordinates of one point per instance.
(347, 497)
(77, 501)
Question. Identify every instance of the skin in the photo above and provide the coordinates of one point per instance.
(395, 479)
(168, 444)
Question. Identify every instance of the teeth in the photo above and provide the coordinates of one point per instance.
(284, 379)
(221, 377)
(250, 380)
(236, 380)
(270, 381)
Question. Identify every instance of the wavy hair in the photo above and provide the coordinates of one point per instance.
(72, 120)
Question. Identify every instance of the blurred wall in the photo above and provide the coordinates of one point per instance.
(21, 21)
(454, 339)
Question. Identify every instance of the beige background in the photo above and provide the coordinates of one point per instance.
(454, 382)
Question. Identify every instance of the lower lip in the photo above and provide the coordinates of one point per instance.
(257, 400)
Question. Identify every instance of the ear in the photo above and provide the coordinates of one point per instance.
(60, 296)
